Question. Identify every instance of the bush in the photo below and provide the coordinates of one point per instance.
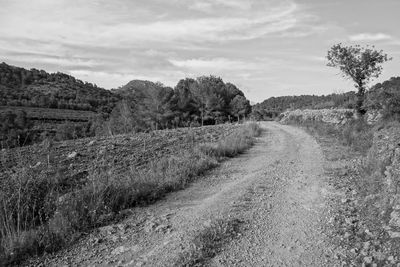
(235, 144)
(357, 134)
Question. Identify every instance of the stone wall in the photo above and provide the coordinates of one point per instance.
(333, 116)
(384, 159)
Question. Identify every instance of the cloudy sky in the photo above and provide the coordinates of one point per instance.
(266, 47)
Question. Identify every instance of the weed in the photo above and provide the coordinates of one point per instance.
(235, 144)
(209, 242)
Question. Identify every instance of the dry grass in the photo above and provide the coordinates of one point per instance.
(235, 144)
(209, 242)
(40, 212)
(356, 134)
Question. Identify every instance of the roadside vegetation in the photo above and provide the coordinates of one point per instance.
(209, 242)
(40, 214)
(368, 217)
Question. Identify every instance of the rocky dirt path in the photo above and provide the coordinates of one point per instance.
(277, 190)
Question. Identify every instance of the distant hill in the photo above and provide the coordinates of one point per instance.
(37, 88)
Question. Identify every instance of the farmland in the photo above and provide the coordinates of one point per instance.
(120, 152)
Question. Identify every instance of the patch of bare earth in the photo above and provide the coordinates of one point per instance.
(273, 200)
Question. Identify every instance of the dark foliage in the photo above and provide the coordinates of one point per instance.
(386, 97)
(14, 129)
(37, 88)
(206, 100)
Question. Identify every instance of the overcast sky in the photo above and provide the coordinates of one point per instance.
(267, 48)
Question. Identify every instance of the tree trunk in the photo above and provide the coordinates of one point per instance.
(202, 117)
(360, 100)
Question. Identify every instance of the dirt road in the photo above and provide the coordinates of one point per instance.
(277, 190)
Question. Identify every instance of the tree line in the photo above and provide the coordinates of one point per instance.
(205, 100)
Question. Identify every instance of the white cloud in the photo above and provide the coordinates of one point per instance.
(213, 64)
(211, 6)
(67, 24)
(370, 37)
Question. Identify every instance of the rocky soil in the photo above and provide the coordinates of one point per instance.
(74, 158)
(331, 116)
(364, 221)
(278, 194)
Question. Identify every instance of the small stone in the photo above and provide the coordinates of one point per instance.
(368, 260)
(367, 245)
(345, 200)
(72, 155)
(394, 234)
(119, 250)
(37, 165)
(207, 223)
(395, 219)
(368, 232)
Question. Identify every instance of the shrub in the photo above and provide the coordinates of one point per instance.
(235, 144)
(357, 134)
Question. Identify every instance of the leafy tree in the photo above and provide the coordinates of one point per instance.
(183, 103)
(211, 98)
(183, 98)
(359, 64)
(122, 119)
(240, 106)
(158, 106)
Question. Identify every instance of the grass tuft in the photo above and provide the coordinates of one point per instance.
(209, 242)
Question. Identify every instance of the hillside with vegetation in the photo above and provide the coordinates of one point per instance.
(37, 88)
(36, 105)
